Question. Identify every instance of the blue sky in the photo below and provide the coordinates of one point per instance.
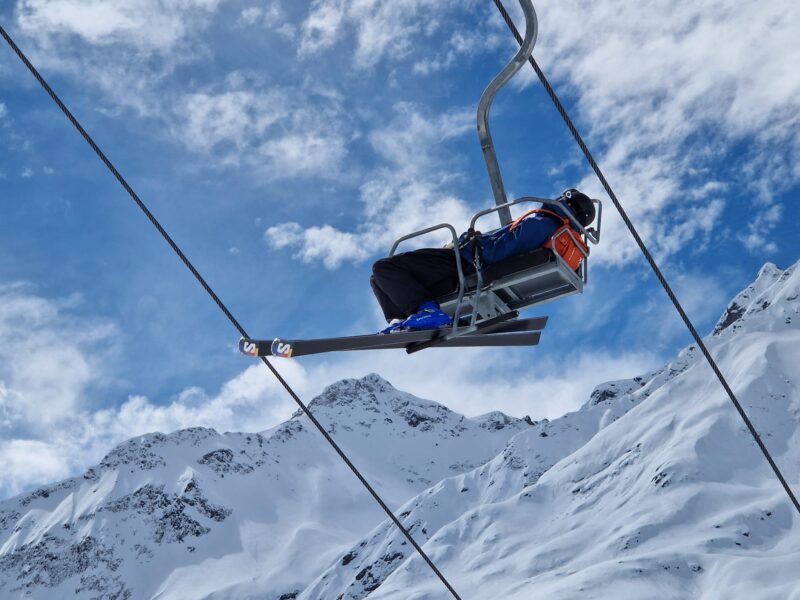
(285, 145)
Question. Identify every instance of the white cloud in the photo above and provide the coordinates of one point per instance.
(463, 44)
(324, 243)
(321, 27)
(10, 405)
(3, 111)
(26, 173)
(287, 31)
(146, 24)
(381, 29)
(125, 48)
(758, 239)
(251, 15)
(251, 401)
(49, 426)
(689, 224)
(45, 356)
(279, 132)
(28, 461)
(314, 152)
(269, 16)
(230, 118)
(406, 193)
(672, 90)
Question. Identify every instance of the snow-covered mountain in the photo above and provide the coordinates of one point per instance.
(197, 514)
(652, 489)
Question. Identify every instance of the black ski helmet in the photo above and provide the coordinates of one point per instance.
(580, 204)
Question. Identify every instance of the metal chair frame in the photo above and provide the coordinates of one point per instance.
(484, 301)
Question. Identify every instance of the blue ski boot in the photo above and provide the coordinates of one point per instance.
(429, 316)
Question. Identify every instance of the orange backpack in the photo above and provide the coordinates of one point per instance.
(561, 242)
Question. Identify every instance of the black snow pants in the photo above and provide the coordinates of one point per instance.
(403, 282)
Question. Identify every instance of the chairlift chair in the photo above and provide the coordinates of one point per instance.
(499, 292)
(486, 304)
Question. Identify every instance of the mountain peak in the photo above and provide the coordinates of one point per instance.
(373, 403)
(363, 392)
(769, 271)
(775, 291)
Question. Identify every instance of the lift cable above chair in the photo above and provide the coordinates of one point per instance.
(651, 261)
(225, 309)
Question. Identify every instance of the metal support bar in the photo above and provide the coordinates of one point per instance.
(462, 286)
(485, 104)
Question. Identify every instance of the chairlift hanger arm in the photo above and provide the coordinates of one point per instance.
(485, 105)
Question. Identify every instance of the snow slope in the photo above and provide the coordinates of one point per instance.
(653, 489)
(196, 514)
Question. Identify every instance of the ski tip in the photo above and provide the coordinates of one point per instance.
(281, 348)
(257, 348)
(248, 347)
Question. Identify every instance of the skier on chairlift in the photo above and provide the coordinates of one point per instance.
(485, 281)
(407, 284)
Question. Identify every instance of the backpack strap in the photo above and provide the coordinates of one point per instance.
(472, 237)
(561, 242)
(564, 220)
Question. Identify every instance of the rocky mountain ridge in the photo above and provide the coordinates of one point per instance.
(654, 484)
(159, 503)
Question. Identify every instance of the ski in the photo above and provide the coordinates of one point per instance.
(525, 332)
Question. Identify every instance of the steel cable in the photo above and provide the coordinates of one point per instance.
(224, 308)
(698, 340)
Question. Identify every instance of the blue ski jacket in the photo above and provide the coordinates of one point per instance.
(500, 244)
